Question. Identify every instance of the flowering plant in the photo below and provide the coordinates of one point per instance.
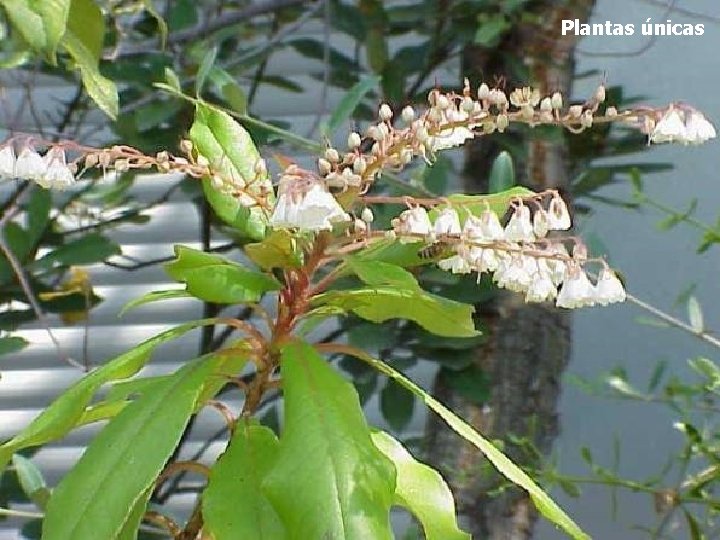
(314, 252)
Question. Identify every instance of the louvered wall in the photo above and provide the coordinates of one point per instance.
(31, 379)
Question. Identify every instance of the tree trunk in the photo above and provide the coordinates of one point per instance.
(528, 345)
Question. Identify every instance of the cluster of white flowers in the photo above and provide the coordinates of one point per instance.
(49, 171)
(682, 124)
(305, 204)
(518, 255)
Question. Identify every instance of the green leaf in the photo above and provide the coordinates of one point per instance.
(512, 472)
(329, 480)
(233, 504)
(378, 273)
(65, 412)
(490, 29)
(54, 14)
(83, 42)
(421, 490)
(130, 528)
(31, 480)
(434, 313)
(97, 497)
(396, 405)
(502, 174)
(394, 252)
(279, 250)
(27, 21)
(88, 249)
(232, 154)
(154, 296)
(205, 66)
(229, 89)
(11, 344)
(38, 213)
(216, 279)
(349, 103)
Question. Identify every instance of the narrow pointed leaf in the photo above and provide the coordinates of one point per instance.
(233, 503)
(154, 296)
(421, 490)
(502, 463)
(66, 411)
(129, 530)
(31, 480)
(97, 498)
(329, 480)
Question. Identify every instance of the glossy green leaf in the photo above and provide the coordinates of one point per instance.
(234, 505)
(504, 465)
(279, 250)
(154, 296)
(421, 490)
(11, 344)
(329, 479)
(378, 273)
(229, 89)
(434, 313)
(231, 152)
(216, 279)
(27, 21)
(38, 213)
(97, 497)
(31, 480)
(83, 42)
(502, 173)
(88, 249)
(349, 103)
(65, 412)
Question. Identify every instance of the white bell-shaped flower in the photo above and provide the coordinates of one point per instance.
(414, 221)
(519, 228)
(576, 291)
(558, 215)
(492, 230)
(697, 128)
(7, 162)
(29, 165)
(458, 263)
(541, 288)
(540, 223)
(314, 210)
(448, 222)
(57, 173)
(669, 128)
(608, 289)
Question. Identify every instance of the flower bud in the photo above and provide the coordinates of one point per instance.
(575, 111)
(359, 165)
(408, 114)
(186, 146)
(421, 134)
(386, 113)
(324, 166)
(546, 104)
(353, 140)
(600, 94)
(467, 104)
(332, 155)
(483, 92)
(367, 215)
(443, 102)
(611, 111)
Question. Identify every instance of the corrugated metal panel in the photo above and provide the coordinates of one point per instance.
(30, 380)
